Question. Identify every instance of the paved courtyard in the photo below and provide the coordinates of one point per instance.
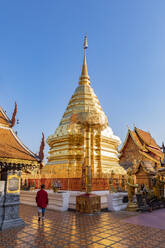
(71, 229)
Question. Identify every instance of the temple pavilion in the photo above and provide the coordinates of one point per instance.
(141, 152)
(83, 138)
(14, 155)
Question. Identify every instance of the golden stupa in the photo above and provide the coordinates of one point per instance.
(82, 139)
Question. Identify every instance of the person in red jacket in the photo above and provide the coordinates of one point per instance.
(42, 202)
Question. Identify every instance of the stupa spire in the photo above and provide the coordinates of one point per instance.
(84, 78)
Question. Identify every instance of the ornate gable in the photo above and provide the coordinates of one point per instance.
(140, 146)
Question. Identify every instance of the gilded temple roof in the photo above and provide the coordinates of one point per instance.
(146, 138)
(146, 144)
(12, 149)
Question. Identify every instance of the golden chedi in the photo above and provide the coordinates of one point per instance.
(82, 140)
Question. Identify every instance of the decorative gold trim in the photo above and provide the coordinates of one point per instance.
(125, 141)
(140, 146)
(18, 161)
(4, 125)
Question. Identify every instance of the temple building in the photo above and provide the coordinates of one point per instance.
(13, 154)
(82, 139)
(141, 152)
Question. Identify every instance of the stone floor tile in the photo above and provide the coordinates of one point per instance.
(106, 242)
(119, 245)
(114, 238)
(71, 229)
(102, 235)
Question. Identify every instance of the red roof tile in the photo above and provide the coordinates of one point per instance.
(147, 138)
(11, 146)
(146, 144)
(136, 139)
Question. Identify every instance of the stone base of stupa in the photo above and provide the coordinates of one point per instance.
(62, 200)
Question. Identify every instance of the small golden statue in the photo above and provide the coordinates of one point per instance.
(158, 188)
(56, 185)
(131, 186)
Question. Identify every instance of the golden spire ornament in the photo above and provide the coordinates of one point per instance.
(84, 79)
(85, 42)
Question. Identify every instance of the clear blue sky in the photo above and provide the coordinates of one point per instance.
(41, 57)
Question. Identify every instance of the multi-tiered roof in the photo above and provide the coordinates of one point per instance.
(139, 145)
(12, 151)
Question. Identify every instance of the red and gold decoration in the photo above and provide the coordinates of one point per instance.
(13, 119)
(41, 151)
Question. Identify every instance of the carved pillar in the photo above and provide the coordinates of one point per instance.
(88, 146)
(83, 176)
(92, 152)
(99, 169)
(88, 157)
(69, 160)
